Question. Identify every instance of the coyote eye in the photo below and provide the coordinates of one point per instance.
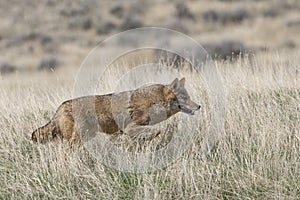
(174, 99)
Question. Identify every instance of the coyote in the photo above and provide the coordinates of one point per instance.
(131, 112)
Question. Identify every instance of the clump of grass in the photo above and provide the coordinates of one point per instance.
(257, 157)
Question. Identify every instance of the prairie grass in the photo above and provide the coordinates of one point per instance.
(257, 157)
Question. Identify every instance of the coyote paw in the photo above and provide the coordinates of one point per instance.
(146, 135)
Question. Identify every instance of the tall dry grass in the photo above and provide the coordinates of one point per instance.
(258, 156)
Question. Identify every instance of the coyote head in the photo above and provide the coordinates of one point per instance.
(179, 97)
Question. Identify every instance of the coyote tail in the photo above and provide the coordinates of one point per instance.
(45, 133)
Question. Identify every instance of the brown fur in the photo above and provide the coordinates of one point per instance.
(102, 111)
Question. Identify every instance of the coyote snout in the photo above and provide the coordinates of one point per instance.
(146, 106)
(189, 107)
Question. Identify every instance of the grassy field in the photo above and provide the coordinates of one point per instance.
(258, 156)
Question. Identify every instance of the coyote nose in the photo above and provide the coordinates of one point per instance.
(198, 107)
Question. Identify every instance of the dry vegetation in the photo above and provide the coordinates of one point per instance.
(257, 157)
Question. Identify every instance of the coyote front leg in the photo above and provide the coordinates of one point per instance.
(141, 133)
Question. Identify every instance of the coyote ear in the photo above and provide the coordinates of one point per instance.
(182, 82)
(174, 85)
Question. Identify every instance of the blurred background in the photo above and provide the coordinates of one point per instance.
(53, 34)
